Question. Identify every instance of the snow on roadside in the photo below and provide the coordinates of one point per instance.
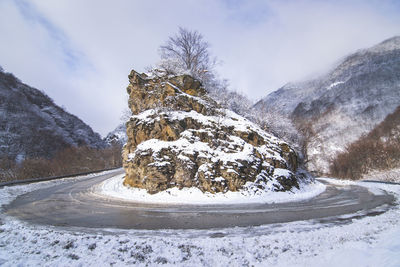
(385, 252)
(392, 175)
(9, 193)
(369, 241)
(114, 188)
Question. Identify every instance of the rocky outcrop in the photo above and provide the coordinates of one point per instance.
(179, 137)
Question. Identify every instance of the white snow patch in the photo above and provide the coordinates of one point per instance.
(114, 188)
(333, 85)
(219, 179)
(392, 175)
(189, 147)
(145, 116)
(278, 172)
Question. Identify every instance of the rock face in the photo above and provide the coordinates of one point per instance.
(343, 104)
(178, 137)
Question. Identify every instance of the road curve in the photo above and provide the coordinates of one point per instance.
(73, 204)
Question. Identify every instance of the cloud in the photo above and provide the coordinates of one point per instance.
(80, 52)
(301, 38)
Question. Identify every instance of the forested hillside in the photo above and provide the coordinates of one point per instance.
(378, 150)
(40, 138)
(336, 109)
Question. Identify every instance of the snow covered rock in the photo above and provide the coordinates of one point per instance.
(179, 137)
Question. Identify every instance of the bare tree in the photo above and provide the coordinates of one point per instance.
(188, 52)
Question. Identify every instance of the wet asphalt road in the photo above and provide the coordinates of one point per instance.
(74, 204)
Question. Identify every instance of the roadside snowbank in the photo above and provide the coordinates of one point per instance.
(114, 188)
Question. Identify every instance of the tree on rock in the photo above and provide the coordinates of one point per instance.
(188, 52)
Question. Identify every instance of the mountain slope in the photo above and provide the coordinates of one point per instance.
(117, 136)
(343, 104)
(32, 125)
(377, 151)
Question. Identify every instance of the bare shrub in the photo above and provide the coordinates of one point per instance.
(379, 150)
(69, 161)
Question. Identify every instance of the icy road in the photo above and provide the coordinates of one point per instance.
(65, 223)
(75, 204)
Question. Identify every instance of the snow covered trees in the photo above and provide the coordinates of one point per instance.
(378, 150)
(187, 52)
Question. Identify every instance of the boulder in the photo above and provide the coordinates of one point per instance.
(179, 137)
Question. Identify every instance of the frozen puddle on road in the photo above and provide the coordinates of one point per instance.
(114, 188)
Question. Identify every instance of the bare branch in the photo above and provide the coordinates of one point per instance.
(187, 51)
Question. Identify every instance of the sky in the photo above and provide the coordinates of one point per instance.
(80, 52)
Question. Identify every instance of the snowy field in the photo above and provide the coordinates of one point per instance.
(114, 188)
(369, 241)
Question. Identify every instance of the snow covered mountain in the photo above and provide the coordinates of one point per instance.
(117, 136)
(376, 154)
(32, 125)
(338, 107)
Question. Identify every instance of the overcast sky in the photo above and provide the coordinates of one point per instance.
(81, 51)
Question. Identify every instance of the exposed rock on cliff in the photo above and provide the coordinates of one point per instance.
(179, 137)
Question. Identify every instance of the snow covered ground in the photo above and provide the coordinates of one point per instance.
(392, 175)
(368, 241)
(114, 188)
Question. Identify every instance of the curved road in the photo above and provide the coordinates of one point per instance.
(74, 204)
